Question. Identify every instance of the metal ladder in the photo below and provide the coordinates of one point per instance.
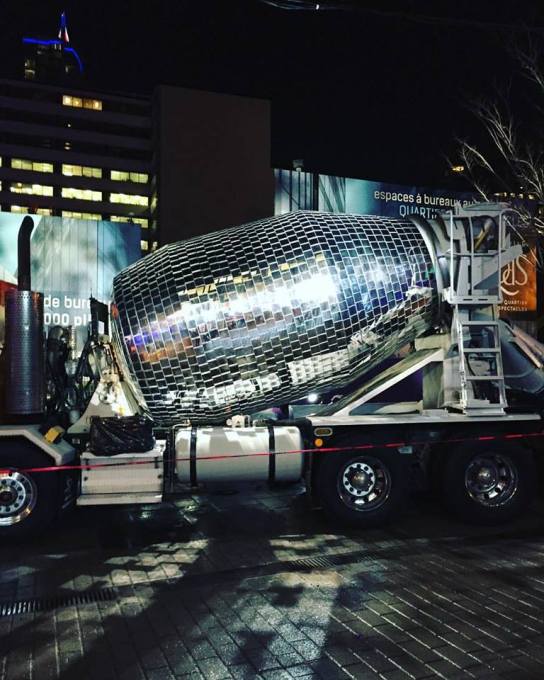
(474, 295)
(482, 386)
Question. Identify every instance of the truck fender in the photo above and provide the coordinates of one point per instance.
(60, 453)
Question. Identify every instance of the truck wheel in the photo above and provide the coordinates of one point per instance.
(28, 502)
(489, 484)
(359, 489)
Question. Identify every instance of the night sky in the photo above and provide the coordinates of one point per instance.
(376, 91)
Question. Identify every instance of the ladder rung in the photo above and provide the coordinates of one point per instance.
(476, 300)
(469, 254)
(483, 324)
(481, 350)
(477, 378)
(478, 409)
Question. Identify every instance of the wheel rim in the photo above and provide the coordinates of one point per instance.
(18, 495)
(491, 480)
(364, 484)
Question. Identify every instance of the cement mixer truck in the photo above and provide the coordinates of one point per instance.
(356, 353)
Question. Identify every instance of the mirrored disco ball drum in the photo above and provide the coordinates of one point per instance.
(264, 313)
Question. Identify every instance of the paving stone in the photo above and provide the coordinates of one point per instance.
(457, 656)
(244, 671)
(419, 651)
(213, 669)
(262, 660)
(307, 649)
(152, 659)
(302, 671)
(159, 674)
(342, 656)
(397, 674)
(131, 673)
(276, 674)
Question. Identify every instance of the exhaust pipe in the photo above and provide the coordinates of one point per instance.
(24, 394)
(23, 253)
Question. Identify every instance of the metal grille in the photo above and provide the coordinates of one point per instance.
(262, 314)
(45, 604)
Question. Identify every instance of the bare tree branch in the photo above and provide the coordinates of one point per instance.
(512, 166)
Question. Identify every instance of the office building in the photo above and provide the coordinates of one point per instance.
(52, 60)
(211, 161)
(75, 153)
(178, 164)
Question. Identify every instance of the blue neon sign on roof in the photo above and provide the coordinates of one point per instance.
(36, 41)
(62, 40)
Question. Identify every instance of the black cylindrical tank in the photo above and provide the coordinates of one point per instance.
(262, 314)
(25, 354)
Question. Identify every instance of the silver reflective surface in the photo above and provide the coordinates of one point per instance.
(262, 314)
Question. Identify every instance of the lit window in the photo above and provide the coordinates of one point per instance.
(33, 189)
(81, 171)
(81, 215)
(24, 209)
(78, 102)
(30, 69)
(125, 176)
(81, 194)
(68, 100)
(36, 166)
(94, 104)
(134, 220)
(0, 161)
(119, 175)
(144, 245)
(42, 167)
(129, 199)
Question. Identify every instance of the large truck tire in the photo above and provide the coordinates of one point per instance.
(360, 489)
(490, 483)
(28, 501)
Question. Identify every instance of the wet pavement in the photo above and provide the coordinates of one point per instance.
(253, 583)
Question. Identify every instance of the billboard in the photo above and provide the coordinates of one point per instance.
(394, 200)
(71, 260)
(519, 284)
(298, 190)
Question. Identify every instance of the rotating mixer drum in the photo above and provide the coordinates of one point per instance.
(261, 314)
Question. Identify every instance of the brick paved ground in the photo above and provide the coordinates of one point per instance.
(256, 585)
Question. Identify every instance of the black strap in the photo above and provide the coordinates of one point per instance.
(192, 457)
(272, 454)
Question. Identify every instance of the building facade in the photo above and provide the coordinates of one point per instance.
(75, 153)
(52, 60)
(179, 164)
(211, 161)
(176, 164)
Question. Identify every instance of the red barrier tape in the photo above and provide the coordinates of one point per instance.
(322, 449)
